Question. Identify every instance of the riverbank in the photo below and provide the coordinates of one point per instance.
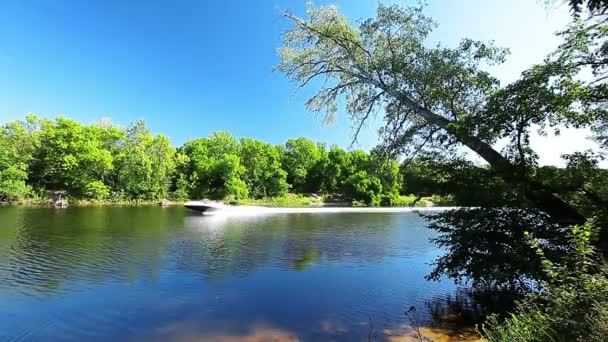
(297, 200)
(288, 201)
(91, 203)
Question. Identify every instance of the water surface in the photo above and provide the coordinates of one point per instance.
(149, 273)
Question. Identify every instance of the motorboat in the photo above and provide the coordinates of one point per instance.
(204, 206)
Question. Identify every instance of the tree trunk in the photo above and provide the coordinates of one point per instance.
(541, 197)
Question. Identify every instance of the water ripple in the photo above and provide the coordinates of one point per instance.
(118, 273)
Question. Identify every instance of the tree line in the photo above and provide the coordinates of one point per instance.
(102, 161)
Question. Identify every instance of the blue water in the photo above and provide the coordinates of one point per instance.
(150, 273)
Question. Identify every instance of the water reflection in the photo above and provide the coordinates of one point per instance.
(49, 250)
(166, 273)
(217, 246)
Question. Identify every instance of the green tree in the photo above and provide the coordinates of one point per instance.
(467, 184)
(363, 187)
(145, 164)
(263, 173)
(71, 156)
(358, 160)
(212, 167)
(386, 170)
(183, 180)
(111, 139)
(431, 94)
(316, 175)
(16, 148)
(300, 156)
(336, 169)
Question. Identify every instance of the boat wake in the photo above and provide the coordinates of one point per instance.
(257, 210)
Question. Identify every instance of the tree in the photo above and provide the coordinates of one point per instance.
(360, 186)
(16, 148)
(430, 95)
(316, 175)
(145, 164)
(593, 6)
(263, 173)
(70, 156)
(212, 167)
(579, 68)
(358, 160)
(386, 170)
(467, 184)
(573, 305)
(335, 172)
(300, 157)
(183, 180)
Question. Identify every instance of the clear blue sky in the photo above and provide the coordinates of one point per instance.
(189, 68)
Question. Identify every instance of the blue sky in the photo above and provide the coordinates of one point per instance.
(189, 68)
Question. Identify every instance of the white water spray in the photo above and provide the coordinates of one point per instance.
(256, 210)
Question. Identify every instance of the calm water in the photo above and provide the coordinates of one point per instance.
(149, 273)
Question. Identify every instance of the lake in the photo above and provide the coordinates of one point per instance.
(151, 273)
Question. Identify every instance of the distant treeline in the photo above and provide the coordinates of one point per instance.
(102, 161)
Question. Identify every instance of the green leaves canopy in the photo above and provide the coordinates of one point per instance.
(435, 96)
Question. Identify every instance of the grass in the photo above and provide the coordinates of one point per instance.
(289, 200)
(87, 202)
(299, 200)
(436, 200)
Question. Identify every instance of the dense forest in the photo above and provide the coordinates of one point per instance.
(102, 161)
(105, 162)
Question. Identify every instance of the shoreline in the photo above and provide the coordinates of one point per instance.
(258, 210)
(326, 206)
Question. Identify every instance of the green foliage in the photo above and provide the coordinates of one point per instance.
(467, 184)
(387, 171)
(16, 147)
(145, 164)
(434, 98)
(264, 176)
(522, 326)
(572, 304)
(103, 162)
(363, 187)
(69, 156)
(336, 170)
(212, 167)
(582, 181)
(300, 157)
(488, 247)
(288, 200)
(95, 162)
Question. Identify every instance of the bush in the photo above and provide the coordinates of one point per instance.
(13, 190)
(442, 201)
(390, 200)
(523, 326)
(488, 247)
(572, 304)
(236, 189)
(361, 187)
(96, 190)
(289, 200)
